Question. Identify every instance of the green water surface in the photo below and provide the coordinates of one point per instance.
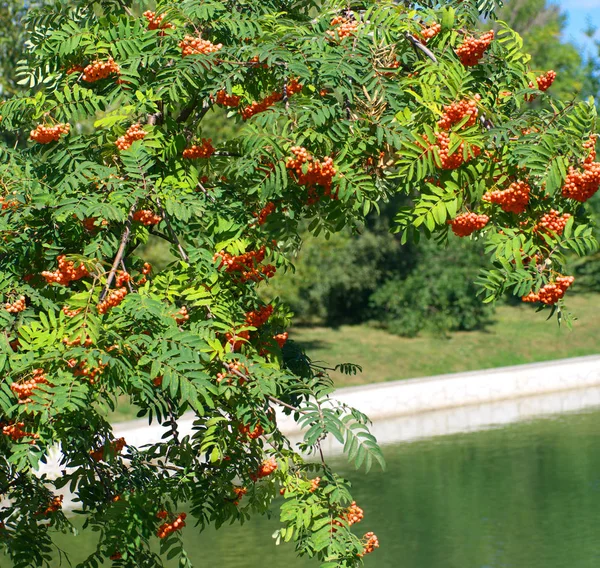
(523, 496)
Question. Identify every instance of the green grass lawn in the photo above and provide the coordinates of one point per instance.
(518, 335)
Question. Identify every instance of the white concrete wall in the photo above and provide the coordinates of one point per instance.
(433, 406)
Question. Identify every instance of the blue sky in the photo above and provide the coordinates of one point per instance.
(579, 13)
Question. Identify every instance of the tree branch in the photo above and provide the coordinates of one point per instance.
(171, 230)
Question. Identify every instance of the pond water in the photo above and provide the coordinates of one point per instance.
(522, 496)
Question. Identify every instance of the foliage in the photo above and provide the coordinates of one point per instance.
(333, 112)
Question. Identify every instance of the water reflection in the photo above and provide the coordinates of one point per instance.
(524, 496)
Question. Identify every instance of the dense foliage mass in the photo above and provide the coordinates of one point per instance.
(335, 110)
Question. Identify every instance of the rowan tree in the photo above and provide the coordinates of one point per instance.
(335, 107)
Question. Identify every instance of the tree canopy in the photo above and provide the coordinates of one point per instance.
(334, 110)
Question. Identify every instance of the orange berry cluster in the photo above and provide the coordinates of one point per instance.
(544, 82)
(55, 505)
(552, 222)
(46, 134)
(146, 217)
(167, 528)
(455, 112)
(114, 448)
(239, 493)
(314, 484)
(590, 145)
(581, 185)
(100, 70)
(466, 223)
(371, 542)
(9, 203)
(354, 514)
(89, 223)
(512, 200)
(247, 264)
(317, 172)
(280, 339)
(266, 468)
(551, 292)
(234, 367)
(472, 49)
(292, 87)
(183, 315)
(25, 389)
(257, 432)
(431, 32)
(191, 45)
(259, 317)
(134, 132)
(342, 27)
(237, 339)
(17, 306)
(75, 69)
(113, 299)
(155, 22)
(77, 341)
(265, 212)
(82, 370)
(122, 278)
(455, 160)
(224, 99)
(205, 150)
(66, 272)
(16, 432)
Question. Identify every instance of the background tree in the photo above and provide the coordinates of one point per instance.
(334, 112)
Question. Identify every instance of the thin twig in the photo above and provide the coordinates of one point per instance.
(281, 403)
(421, 47)
(124, 240)
(128, 281)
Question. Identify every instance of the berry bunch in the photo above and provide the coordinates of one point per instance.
(66, 272)
(100, 70)
(205, 150)
(75, 69)
(551, 292)
(182, 315)
(82, 370)
(544, 82)
(239, 493)
(265, 212)
(155, 22)
(167, 528)
(342, 27)
(146, 269)
(590, 145)
(455, 112)
(191, 45)
(292, 87)
(146, 217)
(113, 299)
(512, 200)
(431, 32)
(472, 49)
(9, 203)
(259, 317)
(235, 367)
(16, 307)
(69, 312)
(370, 543)
(552, 222)
(46, 134)
(87, 342)
(55, 505)
(456, 159)
(89, 223)
(280, 339)
(314, 484)
(354, 514)
(237, 339)
(122, 278)
(581, 185)
(266, 468)
(257, 432)
(25, 389)
(466, 223)
(317, 172)
(134, 132)
(113, 449)
(224, 99)
(15, 432)
(247, 264)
